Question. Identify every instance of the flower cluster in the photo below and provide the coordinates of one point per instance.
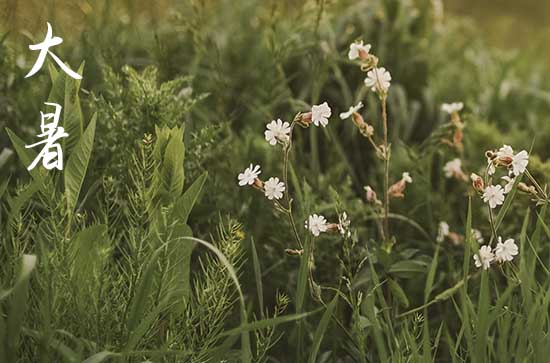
(504, 157)
(503, 252)
(317, 224)
(378, 78)
(273, 188)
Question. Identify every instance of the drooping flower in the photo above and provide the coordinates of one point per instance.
(378, 80)
(316, 224)
(453, 169)
(406, 177)
(443, 231)
(371, 194)
(358, 50)
(519, 162)
(274, 188)
(396, 190)
(505, 251)
(249, 175)
(451, 108)
(351, 111)
(277, 131)
(477, 182)
(494, 195)
(320, 114)
(509, 183)
(484, 257)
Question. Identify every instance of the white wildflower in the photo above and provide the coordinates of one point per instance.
(453, 169)
(505, 151)
(452, 107)
(249, 175)
(519, 162)
(509, 183)
(320, 114)
(484, 257)
(505, 251)
(277, 131)
(358, 50)
(406, 177)
(316, 224)
(351, 111)
(494, 195)
(442, 231)
(378, 80)
(274, 188)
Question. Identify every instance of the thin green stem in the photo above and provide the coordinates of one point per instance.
(386, 170)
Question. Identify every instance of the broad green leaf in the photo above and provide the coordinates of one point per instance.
(408, 267)
(75, 171)
(72, 113)
(398, 293)
(27, 156)
(185, 203)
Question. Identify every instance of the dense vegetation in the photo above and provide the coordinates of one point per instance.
(145, 248)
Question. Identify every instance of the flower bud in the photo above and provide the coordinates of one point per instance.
(477, 182)
(304, 119)
(364, 128)
(527, 188)
(371, 194)
(258, 184)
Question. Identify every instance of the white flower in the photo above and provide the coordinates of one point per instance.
(443, 231)
(453, 168)
(519, 162)
(452, 107)
(316, 224)
(356, 48)
(378, 79)
(277, 131)
(406, 177)
(509, 183)
(273, 188)
(320, 114)
(505, 151)
(494, 195)
(477, 235)
(505, 251)
(352, 109)
(484, 257)
(343, 225)
(249, 175)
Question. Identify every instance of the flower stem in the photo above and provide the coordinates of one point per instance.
(386, 170)
(288, 210)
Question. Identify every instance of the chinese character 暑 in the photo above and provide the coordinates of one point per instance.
(44, 49)
(51, 154)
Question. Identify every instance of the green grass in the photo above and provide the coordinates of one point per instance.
(145, 249)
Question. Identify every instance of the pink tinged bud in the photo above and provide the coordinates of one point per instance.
(258, 184)
(477, 182)
(305, 119)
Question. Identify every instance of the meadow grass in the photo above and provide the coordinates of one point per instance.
(145, 248)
